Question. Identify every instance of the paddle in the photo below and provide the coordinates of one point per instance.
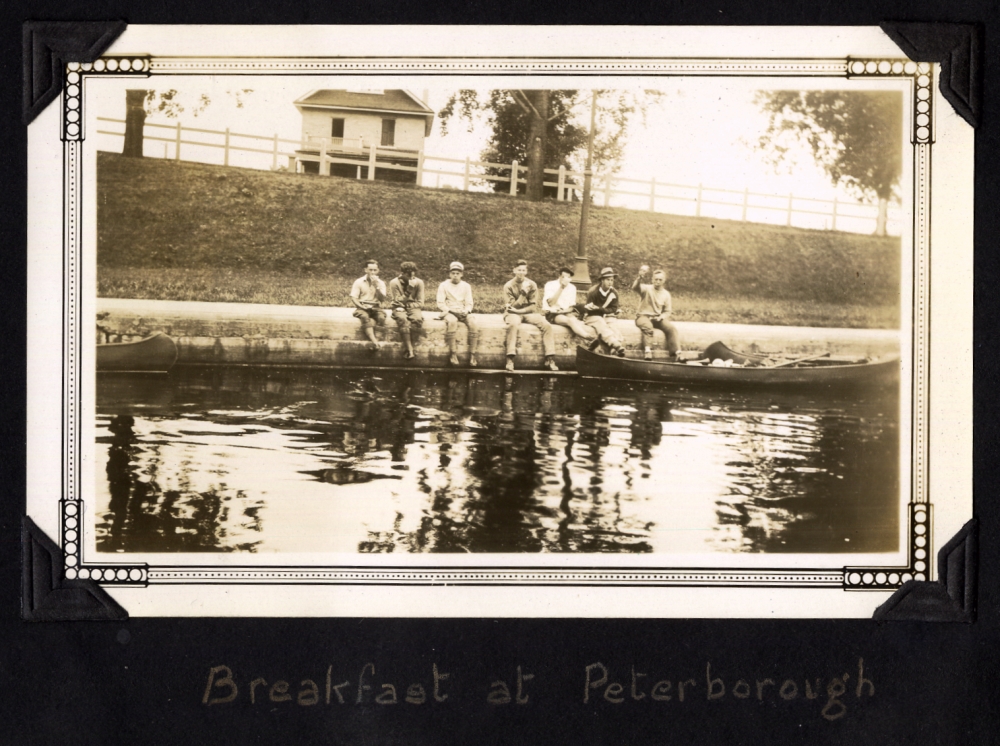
(801, 360)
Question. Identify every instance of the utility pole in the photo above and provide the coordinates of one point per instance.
(581, 272)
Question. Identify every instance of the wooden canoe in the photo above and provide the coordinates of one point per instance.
(154, 354)
(831, 374)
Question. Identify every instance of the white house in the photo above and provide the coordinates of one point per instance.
(347, 124)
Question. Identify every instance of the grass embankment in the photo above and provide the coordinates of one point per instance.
(184, 231)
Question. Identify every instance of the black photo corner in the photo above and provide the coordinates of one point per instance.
(76, 668)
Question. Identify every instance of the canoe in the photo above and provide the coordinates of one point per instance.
(832, 374)
(154, 354)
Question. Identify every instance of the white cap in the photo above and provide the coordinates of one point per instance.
(456, 265)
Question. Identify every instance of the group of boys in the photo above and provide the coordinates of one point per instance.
(558, 305)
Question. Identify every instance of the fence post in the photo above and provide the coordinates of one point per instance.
(652, 194)
(177, 146)
(225, 150)
(746, 201)
(371, 163)
(324, 166)
(697, 203)
(513, 179)
(420, 168)
(788, 220)
(834, 226)
(465, 178)
(561, 185)
(274, 158)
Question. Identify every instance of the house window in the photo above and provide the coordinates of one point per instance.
(389, 132)
(338, 128)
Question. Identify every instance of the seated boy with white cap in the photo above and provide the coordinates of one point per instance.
(454, 298)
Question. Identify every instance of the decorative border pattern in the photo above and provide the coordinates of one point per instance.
(922, 137)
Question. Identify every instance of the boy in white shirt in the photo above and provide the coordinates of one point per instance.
(454, 298)
(559, 305)
(367, 294)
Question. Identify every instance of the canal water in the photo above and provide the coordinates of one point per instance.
(256, 460)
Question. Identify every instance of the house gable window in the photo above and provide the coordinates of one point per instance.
(388, 132)
(338, 128)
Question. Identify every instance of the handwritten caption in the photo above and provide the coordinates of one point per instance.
(598, 686)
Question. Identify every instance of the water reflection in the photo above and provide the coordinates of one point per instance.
(253, 460)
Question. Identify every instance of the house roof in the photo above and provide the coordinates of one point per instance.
(395, 101)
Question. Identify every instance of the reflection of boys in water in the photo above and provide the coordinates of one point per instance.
(651, 411)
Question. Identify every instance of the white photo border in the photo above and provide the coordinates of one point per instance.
(918, 550)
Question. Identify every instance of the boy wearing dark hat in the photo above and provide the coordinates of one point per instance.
(521, 297)
(602, 301)
(406, 295)
(454, 298)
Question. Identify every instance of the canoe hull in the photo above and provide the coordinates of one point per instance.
(154, 354)
(595, 365)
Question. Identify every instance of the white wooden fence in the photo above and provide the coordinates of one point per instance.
(467, 174)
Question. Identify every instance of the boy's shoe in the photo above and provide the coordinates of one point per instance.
(648, 354)
(620, 352)
(510, 364)
(551, 364)
(453, 359)
(473, 363)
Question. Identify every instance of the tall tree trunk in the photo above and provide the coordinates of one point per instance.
(883, 216)
(536, 145)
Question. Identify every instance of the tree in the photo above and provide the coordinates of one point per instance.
(537, 127)
(855, 136)
(172, 104)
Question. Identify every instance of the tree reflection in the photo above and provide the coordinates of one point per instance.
(143, 518)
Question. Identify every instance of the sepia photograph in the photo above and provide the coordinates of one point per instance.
(376, 338)
(533, 327)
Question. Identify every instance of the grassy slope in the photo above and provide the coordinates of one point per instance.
(195, 231)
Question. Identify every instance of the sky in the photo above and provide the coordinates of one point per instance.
(702, 131)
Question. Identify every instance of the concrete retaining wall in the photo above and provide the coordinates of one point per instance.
(253, 334)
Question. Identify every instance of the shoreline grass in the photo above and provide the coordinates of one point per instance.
(190, 231)
(240, 286)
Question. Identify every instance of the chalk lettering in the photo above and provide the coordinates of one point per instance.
(680, 688)
(710, 684)
(741, 689)
(499, 693)
(661, 691)
(329, 673)
(612, 692)
(388, 695)
(862, 681)
(588, 684)
(226, 680)
(810, 694)
(636, 695)
(308, 696)
(789, 690)
(760, 688)
(834, 708)
(253, 689)
(522, 698)
(362, 686)
(279, 692)
(416, 695)
(336, 690)
(438, 678)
